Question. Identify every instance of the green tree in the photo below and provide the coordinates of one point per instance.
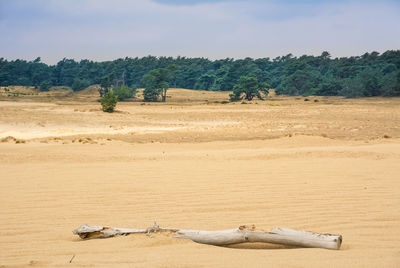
(397, 86)
(156, 82)
(66, 71)
(151, 94)
(248, 87)
(352, 88)
(367, 83)
(206, 81)
(329, 87)
(390, 84)
(45, 85)
(108, 102)
(124, 92)
(371, 81)
(301, 82)
(80, 84)
(106, 83)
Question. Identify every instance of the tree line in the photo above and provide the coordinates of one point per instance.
(372, 74)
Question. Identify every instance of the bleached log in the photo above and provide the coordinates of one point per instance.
(281, 236)
(243, 234)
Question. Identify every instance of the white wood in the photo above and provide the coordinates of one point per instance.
(239, 235)
(89, 232)
(86, 231)
(281, 236)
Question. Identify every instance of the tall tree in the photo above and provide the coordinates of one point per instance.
(156, 82)
(106, 83)
(248, 87)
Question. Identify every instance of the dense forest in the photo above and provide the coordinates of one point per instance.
(371, 74)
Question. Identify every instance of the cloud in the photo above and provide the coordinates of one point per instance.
(105, 30)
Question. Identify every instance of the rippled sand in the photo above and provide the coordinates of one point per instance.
(327, 166)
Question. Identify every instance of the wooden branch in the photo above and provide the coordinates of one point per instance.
(243, 234)
(89, 232)
(281, 236)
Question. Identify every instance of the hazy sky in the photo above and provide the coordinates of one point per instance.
(110, 29)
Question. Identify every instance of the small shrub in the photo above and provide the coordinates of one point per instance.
(124, 92)
(108, 102)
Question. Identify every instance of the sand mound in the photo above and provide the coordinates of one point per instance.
(93, 89)
(12, 139)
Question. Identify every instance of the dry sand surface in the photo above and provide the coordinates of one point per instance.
(195, 162)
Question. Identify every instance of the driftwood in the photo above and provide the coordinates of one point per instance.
(88, 232)
(243, 234)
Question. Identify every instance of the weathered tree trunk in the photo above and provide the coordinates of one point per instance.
(242, 234)
(249, 97)
(281, 236)
(164, 95)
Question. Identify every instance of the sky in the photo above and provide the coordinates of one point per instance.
(109, 29)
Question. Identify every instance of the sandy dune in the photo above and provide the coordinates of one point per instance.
(326, 166)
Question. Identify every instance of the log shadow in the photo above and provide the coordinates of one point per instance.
(259, 245)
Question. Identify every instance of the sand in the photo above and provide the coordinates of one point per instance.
(327, 166)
